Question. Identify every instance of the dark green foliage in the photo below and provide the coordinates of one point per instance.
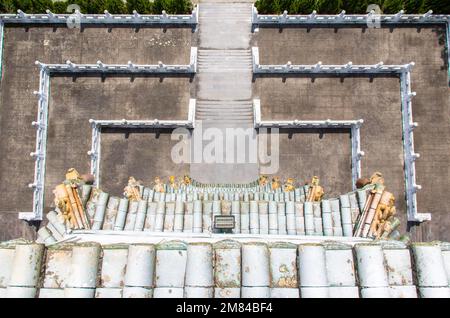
(264, 6)
(83, 4)
(328, 6)
(40, 6)
(141, 6)
(392, 6)
(351, 6)
(302, 6)
(97, 6)
(172, 6)
(7, 6)
(356, 6)
(24, 5)
(414, 6)
(279, 6)
(438, 6)
(115, 6)
(59, 7)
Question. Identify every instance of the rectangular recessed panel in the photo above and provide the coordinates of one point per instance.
(224, 222)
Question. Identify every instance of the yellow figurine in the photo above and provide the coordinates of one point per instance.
(262, 181)
(377, 177)
(289, 185)
(159, 186)
(173, 183)
(131, 191)
(275, 183)
(72, 175)
(315, 192)
(62, 202)
(186, 180)
(385, 210)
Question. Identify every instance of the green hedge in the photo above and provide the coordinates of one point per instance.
(351, 6)
(99, 6)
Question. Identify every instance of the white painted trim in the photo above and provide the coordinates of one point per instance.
(135, 19)
(111, 237)
(404, 74)
(315, 19)
(97, 125)
(353, 125)
(46, 70)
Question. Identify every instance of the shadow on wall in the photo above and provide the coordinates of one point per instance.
(316, 152)
(141, 153)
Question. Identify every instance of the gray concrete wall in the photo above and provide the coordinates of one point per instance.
(72, 104)
(352, 99)
(143, 154)
(317, 153)
(18, 105)
(377, 103)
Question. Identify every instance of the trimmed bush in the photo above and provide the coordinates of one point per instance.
(438, 6)
(115, 6)
(264, 6)
(329, 6)
(172, 6)
(99, 6)
(302, 6)
(24, 5)
(356, 6)
(351, 6)
(59, 7)
(393, 6)
(279, 6)
(141, 6)
(42, 5)
(7, 6)
(414, 6)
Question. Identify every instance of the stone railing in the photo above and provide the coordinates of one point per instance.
(98, 125)
(100, 68)
(78, 18)
(342, 18)
(379, 69)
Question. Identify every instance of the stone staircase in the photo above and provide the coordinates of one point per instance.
(224, 64)
(224, 86)
(225, 111)
(224, 60)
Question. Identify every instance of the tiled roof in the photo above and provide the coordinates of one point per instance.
(225, 269)
(193, 210)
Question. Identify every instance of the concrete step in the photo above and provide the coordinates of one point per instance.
(225, 25)
(224, 60)
(226, 12)
(231, 53)
(244, 117)
(222, 110)
(226, 122)
(225, 113)
(230, 104)
(222, 8)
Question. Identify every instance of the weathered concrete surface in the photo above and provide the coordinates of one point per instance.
(224, 86)
(18, 106)
(307, 154)
(377, 103)
(143, 154)
(72, 104)
(11, 227)
(381, 140)
(233, 31)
